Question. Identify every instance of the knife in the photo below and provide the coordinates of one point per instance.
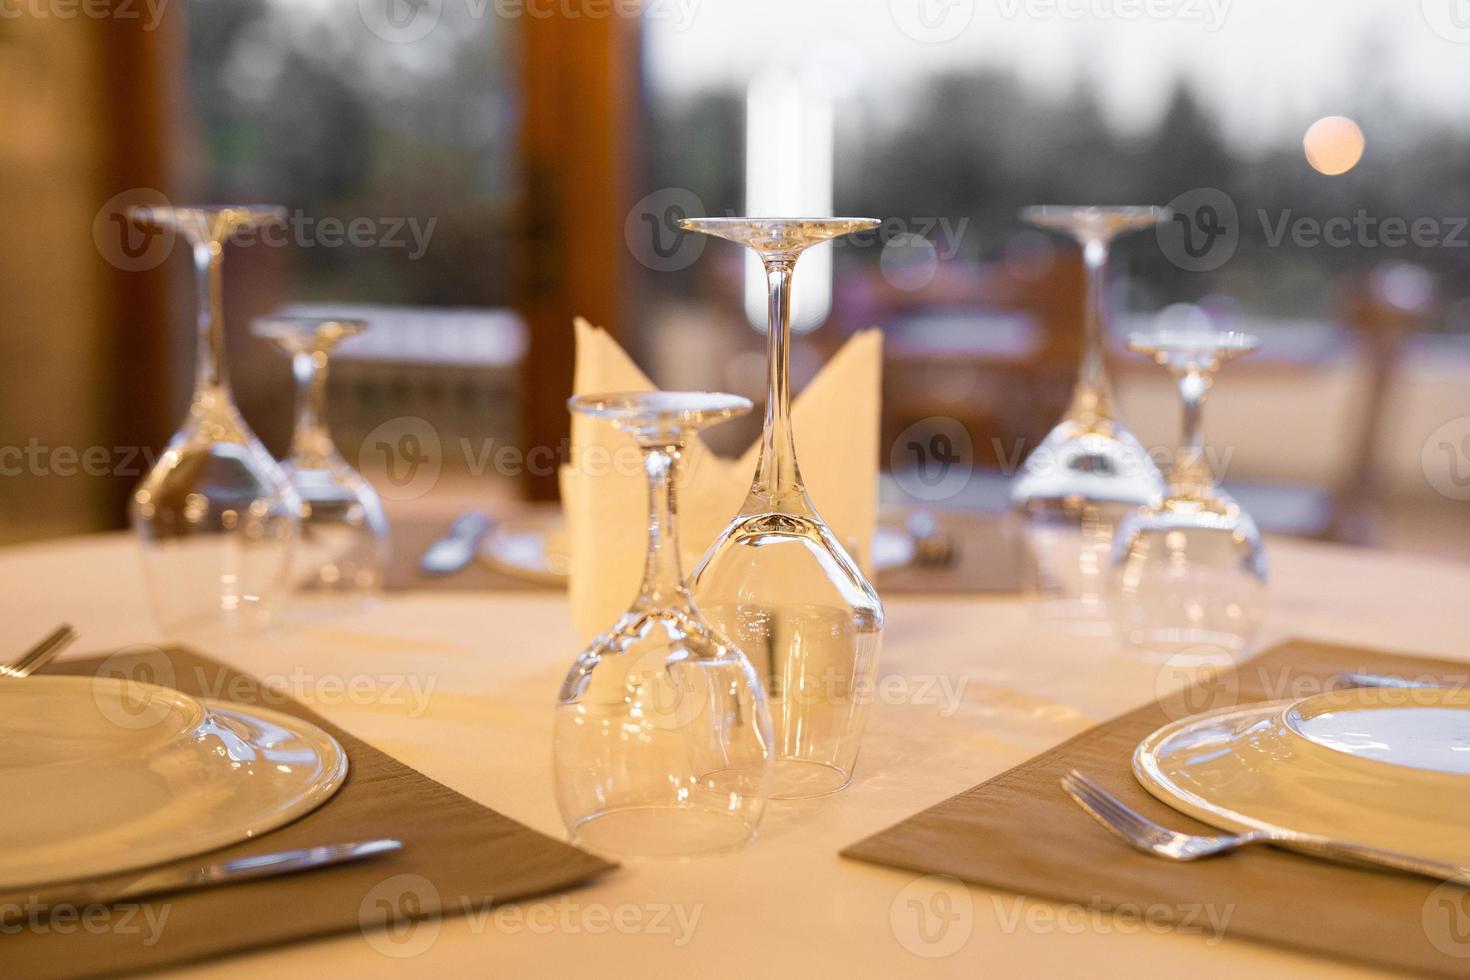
(458, 546)
(215, 874)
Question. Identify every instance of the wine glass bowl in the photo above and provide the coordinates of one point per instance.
(216, 516)
(777, 581)
(1191, 568)
(343, 550)
(1089, 470)
(662, 736)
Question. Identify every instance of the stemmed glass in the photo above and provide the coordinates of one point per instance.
(216, 515)
(1191, 569)
(1090, 469)
(344, 533)
(662, 735)
(777, 581)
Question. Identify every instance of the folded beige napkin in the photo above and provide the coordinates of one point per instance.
(605, 495)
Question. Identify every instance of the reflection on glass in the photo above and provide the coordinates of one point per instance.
(1191, 570)
(343, 549)
(776, 580)
(216, 516)
(662, 736)
(1089, 470)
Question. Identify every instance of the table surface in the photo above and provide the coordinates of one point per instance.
(460, 686)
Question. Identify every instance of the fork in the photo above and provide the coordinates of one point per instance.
(1149, 837)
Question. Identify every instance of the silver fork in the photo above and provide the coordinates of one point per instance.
(1149, 837)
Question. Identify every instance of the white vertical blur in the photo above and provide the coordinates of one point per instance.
(788, 173)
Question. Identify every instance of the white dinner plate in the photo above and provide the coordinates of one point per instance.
(535, 548)
(104, 774)
(1360, 765)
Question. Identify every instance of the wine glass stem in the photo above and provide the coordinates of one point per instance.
(1190, 475)
(208, 264)
(777, 479)
(311, 441)
(1093, 398)
(663, 576)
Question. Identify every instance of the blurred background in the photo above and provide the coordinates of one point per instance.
(471, 174)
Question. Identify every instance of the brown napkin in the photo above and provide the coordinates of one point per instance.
(458, 856)
(1020, 832)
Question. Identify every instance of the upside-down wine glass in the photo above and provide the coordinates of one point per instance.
(662, 737)
(343, 548)
(1090, 469)
(1191, 571)
(216, 515)
(777, 581)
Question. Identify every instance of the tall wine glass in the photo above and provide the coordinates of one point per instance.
(344, 533)
(217, 517)
(1090, 469)
(1191, 569)
(662, 736)
(777, 581)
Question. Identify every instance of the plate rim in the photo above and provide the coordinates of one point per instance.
(333, 779)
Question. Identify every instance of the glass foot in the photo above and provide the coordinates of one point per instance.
(1184, 647)
(662, 832)
(802, 779)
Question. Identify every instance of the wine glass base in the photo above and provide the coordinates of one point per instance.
(802, 779)
(1184, 647)
(1078, 617)
(662, 832)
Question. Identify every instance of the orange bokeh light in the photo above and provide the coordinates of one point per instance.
(1334, 145)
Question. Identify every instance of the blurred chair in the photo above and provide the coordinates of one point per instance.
(1381, 309)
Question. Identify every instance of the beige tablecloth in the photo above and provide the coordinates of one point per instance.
(459, 686)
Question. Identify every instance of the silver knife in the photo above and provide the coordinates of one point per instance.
(215, 874)
(458, 546)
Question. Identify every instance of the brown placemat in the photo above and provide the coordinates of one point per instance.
(412, 535)
(458, 856)
(989, 558)
(1020, 832)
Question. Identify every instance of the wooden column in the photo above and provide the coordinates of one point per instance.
(580, 86)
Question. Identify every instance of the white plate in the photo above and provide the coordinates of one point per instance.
(535, 548)
(100, 775)
(1247, 768)
(1421, 728)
